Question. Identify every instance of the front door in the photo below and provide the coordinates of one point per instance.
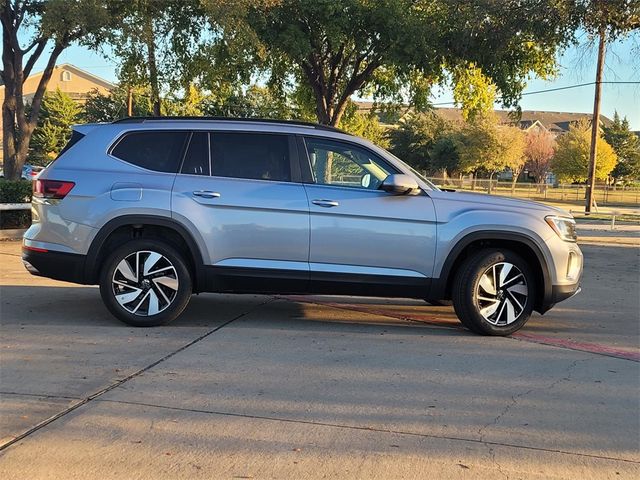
(240, 192)
(364, 240)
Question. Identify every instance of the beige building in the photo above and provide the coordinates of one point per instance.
(71, 80)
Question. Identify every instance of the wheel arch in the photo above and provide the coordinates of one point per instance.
(519, 243)
(120, 229)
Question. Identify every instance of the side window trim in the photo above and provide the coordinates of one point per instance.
(309, 177)
(209, 153)
(186, 150)
(184, 153)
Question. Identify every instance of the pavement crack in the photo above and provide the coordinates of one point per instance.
(514, 401)
(40, 395)
(120, 382)
(368, 429)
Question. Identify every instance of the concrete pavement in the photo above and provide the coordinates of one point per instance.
(262, 387)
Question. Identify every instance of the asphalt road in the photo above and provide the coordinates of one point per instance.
(264, 387)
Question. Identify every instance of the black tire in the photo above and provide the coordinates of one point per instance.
(178, 298)
(466, 287)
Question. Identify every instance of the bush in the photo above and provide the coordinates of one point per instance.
(15, 192)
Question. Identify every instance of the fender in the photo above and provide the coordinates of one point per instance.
(109, 227)
(439, 285)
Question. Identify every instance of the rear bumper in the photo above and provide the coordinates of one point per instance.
(68, 267)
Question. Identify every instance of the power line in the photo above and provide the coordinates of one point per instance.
(556, 89)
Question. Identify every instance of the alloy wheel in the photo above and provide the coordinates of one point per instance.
(502, 294)
(145, 283)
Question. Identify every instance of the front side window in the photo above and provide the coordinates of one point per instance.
(251, 155)
(158, 150)
(345, 165)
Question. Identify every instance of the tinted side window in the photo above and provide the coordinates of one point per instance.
(160, 150)
(345, 165)
(250, 155)
(196, 158)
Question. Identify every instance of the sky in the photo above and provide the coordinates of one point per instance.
(577, 66)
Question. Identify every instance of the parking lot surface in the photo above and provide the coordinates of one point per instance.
(319, 387)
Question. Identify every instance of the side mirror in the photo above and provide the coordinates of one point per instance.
(399, 184)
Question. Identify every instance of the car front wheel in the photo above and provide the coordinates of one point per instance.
(493, 292)
(145, 283)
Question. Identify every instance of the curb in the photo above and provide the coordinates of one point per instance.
(12, 233)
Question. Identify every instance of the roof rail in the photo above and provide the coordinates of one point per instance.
(317, 126)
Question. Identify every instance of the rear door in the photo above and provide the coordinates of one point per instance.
(242, 192)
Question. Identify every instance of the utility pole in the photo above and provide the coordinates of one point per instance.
(129, 102)
(595, 124)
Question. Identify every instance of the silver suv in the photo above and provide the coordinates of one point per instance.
(155, 209)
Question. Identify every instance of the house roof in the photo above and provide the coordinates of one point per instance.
(557, 122)
(77, 71)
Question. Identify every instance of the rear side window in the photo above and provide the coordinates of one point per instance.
(250, 155)
(160, 150)
(196, 158)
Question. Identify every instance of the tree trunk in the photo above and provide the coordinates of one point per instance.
(10, 168)
(514, 180)
(17, 123)
(152, 65)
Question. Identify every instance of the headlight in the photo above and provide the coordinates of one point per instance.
(565, 227)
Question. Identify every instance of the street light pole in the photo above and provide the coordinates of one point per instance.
(595, 125)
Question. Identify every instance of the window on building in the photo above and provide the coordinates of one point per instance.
(66, 76)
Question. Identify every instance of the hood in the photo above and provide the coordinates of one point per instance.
(466, 200)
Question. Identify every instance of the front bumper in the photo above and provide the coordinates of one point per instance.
(558, 294)
(68, 267)
(563, 292)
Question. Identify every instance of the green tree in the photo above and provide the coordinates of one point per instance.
(366, 125)
(59, 113)
(626, 144)
(571, 160)
(252, 102)
(113, 106)
(52, 23)
(480, 146)
(414, 140)
(397, 49)
(445, 156)
(613, 18)
(157, 44)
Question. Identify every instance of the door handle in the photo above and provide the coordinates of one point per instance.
(206, 194)
(325, 203)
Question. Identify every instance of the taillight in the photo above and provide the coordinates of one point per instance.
(52, 189)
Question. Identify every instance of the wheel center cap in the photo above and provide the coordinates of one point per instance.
(146, 283)
(501, 295)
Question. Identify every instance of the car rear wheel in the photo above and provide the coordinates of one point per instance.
(145, 283)
(493, 292)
